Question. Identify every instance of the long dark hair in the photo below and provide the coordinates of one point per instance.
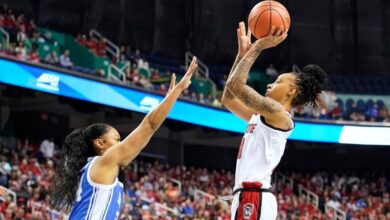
(74, 153)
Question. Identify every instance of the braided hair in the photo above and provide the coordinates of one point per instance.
(311, 81)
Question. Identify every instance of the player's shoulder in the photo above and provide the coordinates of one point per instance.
(284, 123)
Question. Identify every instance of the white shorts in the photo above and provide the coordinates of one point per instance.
(269, 207)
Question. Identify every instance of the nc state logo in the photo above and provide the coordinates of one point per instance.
(248, 210)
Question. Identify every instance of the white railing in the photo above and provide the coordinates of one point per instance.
(202, 70)
(8, 192)
(337, 214)
(284, 179)
(112, 48)
(5, 33)
(119, 77)
(176, 181)
(310, 196)
(209, 197)
(53, 214)
(158, 206)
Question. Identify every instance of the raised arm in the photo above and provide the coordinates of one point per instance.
(106, 168)
(236, 84)
(228, 99)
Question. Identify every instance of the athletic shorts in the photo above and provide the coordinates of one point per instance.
(250, 203)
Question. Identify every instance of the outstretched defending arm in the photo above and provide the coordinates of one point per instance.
(106, 168)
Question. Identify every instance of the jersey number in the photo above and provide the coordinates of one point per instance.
(241, 147)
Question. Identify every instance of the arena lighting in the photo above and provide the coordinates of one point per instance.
(93, 90)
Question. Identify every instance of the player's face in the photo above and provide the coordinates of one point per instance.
(109, 139)
(283, 87)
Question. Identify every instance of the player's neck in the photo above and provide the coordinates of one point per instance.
(287, 107)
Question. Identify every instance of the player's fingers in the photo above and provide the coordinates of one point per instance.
(190, 73)
(249, 34)
(193, 66)
(173, 81)
(278, 32)
(239, 36)
(272, 32)
(193, 62)
(242, 28)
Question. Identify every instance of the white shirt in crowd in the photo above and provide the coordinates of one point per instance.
(47, 148)
(65, 61)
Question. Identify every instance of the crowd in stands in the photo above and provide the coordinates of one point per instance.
(153, 193)
(363, 196)
(357, 111)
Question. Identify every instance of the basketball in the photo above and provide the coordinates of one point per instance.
(265, 15)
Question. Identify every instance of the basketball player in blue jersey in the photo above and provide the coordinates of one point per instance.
(91, 160)
(269, 123)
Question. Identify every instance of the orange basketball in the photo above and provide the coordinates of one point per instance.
(265, 15)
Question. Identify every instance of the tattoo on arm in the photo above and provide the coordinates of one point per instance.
(258, 102)
(249, 96)
(226, 92)
(239, 75)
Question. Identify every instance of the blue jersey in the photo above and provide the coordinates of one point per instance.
(96, 201)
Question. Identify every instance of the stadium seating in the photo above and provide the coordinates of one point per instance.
(160, 191)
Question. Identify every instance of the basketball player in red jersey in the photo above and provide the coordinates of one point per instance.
(269, 122)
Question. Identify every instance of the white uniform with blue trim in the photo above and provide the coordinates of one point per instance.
(96, 201)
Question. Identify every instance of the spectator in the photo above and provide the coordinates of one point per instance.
(65, 60)
(20, 21)
(21, 51)
(30, 27)
(373, 113)
(100, 73)
(34, 56)
(384, 113)
(82, 40)
(135, 77)
(9, 21)
(209, 100)
(21, 36)
(145, 82)
(52, 58)
(101, 47)
(37, 39)
(92, 44)
(336, 112)
(201, 99)
(155, 76)
(47, 148)
(122, 54)
(162, 88)
(186, 94)
(193, 97)
(217, 103)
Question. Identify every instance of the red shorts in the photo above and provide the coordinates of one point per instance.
(253, 203)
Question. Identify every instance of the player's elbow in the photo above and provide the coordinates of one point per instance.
(224, 99)
(232, 86)
(149, 126)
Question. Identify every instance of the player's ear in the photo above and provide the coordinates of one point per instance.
(293, 91)
(98, 143)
